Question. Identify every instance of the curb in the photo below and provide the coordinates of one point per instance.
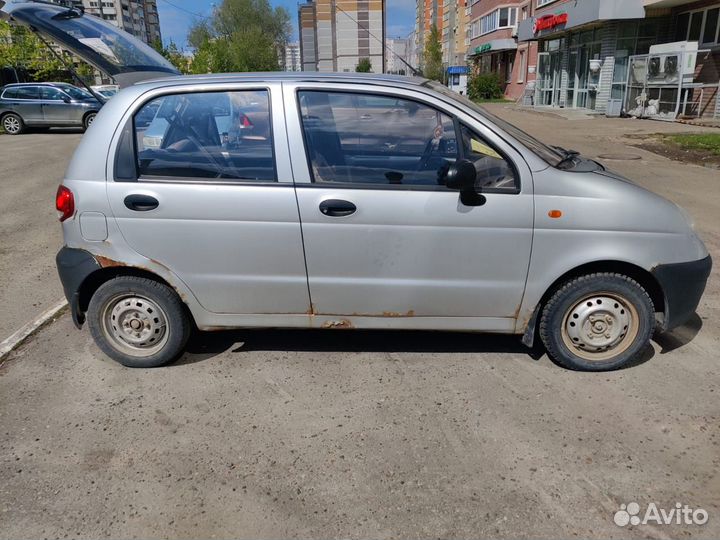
(19, 337)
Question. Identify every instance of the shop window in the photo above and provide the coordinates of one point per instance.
(702, 25)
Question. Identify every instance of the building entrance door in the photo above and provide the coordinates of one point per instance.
(548, 79)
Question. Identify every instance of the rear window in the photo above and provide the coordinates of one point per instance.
(10, 93)
(206, 136)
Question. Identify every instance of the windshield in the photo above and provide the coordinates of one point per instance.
(549, 154)
(75, 92)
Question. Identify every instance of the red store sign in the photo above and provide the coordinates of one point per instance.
(550, 21)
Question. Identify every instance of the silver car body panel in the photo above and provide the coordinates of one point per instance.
(408, 259)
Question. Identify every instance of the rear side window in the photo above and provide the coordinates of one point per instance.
(206, 136)
(25, 92)
(10, 93)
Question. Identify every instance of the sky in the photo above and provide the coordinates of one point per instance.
(176, 17)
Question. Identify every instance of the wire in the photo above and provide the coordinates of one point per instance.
(186, 10)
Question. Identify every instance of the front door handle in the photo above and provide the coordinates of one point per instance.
(337, 208)
(141, 203)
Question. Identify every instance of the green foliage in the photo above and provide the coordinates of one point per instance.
(485, 86)
(364, 66)
(174, 55)
(22, 50)
(432, 56)
(242, 35)
(709, 142)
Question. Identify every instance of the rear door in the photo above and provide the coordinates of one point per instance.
(383, 236)
(210, 196)
(27, 103)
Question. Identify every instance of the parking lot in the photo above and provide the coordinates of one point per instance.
(350, 434)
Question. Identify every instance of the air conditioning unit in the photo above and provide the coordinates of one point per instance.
(669, 62)
(514, 32)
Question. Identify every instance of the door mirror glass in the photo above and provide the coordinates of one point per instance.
(66, 99)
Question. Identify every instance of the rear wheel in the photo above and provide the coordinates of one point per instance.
(597, 322)
(138, 322)
(89, 119)
(13, 124)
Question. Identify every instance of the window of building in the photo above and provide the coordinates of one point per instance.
(500, 18)
(702, 25)
(633, 38)
(223, 136)
(541, 3)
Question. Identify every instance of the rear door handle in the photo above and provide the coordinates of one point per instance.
(337, 208)
(141, 203)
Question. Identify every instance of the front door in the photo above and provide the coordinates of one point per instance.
(383, 236)
(55, 109)
(211, 198)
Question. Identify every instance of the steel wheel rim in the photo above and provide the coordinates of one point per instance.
(600, 326)
(135, 325)
(11, 124)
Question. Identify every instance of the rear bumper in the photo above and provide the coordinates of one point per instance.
(74, 266)
(683, 285)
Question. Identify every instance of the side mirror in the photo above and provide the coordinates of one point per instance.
(66, 99)
(461, 176)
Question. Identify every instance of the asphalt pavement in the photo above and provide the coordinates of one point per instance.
(350, 434)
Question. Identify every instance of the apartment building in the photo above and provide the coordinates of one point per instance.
(291, 60)
(336, 34)
(585, 50)
(137, 17)
(454, 32)
(428, 13)
(494, 47)
(397, 52)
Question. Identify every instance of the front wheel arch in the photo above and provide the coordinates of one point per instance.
(637, 273)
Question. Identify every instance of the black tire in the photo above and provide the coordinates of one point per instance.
(576, 318)
(89, 119)
(13, 124)
(125, 301)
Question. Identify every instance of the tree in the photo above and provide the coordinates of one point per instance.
(174, 55)
(432, 56)
(364, 66)
(241, 35)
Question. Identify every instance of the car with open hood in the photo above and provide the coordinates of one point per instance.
(343, 201)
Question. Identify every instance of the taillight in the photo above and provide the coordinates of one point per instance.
(65, 203)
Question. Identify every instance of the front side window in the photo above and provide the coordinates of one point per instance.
(494, 172)
(50, 93)
(205, 136)
(375, 140)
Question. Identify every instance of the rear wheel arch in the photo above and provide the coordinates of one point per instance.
(95, 280)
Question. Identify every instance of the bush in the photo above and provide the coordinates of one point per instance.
(486, 86)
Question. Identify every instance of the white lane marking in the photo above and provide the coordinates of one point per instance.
(30, 328)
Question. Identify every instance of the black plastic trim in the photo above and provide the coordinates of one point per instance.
(683, 285)
(74, 266)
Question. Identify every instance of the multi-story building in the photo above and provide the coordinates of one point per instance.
(493, 45)
(343, 33)
(453, 32)
(396, 55)
(429, 13)
(585, 50)
(137, 17)
(291, 61)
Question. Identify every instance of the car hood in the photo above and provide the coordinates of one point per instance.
(113, 51)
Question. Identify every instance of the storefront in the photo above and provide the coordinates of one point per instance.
(584, 48)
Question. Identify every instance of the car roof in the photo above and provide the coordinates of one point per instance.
(292, 76)
(37, 84)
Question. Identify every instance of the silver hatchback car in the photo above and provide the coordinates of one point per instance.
(343, 201)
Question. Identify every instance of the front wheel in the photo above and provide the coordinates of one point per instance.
(138, 322)
(597, 322)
